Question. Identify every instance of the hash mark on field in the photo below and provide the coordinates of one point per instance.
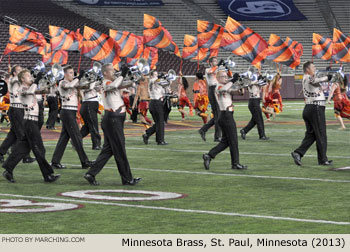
(184, 210)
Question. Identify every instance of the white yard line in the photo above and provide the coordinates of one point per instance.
(181, 210)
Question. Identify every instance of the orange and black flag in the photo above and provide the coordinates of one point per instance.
(131, 45)
(23, 39)
(150, 54)
(63, 39)
(284, 52)
(341, 46)
(209, 35)
(244, 42)
(321, 47)
(190, 48)
(155, 35)
(60, 57)
(100, 47)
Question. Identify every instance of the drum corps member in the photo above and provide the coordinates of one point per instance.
(142, 96)
(223, 93)
(183, 99)
(113, 128)
(212, 82)
(31, 140)
(52, 102)
(314, 116)
(70, 130)
(200, 97)
(272, 99)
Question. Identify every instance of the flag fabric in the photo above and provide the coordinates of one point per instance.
(60, 57)
(155, 35)
(190, 50)
(63, 39)
(131, 45)
(151, 55)
(284, 52)
(23, 39)
(244, 42)
(100, 47)
(209, 35)
(341, 46)
(321, 47)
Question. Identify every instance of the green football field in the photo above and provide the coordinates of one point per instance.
(272, 196)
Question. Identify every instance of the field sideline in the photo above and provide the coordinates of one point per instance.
(272, 196)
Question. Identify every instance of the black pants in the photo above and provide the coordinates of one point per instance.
(229, 137)
(114, 145)
(88, 112)
(134, 112)
(53, 111)
(31, 141)
(69, 130)
(41, 114)
(167, 108)
(315, 122)
(156, 108)
(257, 119)
(216, 112)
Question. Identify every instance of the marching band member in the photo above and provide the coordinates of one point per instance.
(314, 116)
(88, 111)
(142, 96)
(210, 74)
(200, 97)
(223, 93)
(341, 101)
(52, 102)
(272, 99)
(70, 130)
(113, 128)
(16, 113)
(31, 140)
(183, 99)
(255, 110)
(156, 107)
(40, 100)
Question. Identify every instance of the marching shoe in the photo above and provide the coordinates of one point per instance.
(163, 143)
(217, 139)
(97, 147)
(58, 166)
(9, 176)
(86, 165)
(239, 167)
(264, 138)
(297, 158)
(91, 179)
(28, 160)
(2, 158)
(242, 134)
(202, 133)
(145, 138)
(207, 160)
(134, 181)
(52, 178)
(328, 162)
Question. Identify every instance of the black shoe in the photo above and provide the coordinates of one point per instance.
(52, 178)
(97, 147)
(329, 162)
(58, 166)
(86, 165)
(202, 133)
(91, 179)
(145, 138)
(217, 139)
(2, 158)
(242, 134)
(264, 138)
(162, 143)
(297, 158)
(207, 160)
(28, 160)
(9, 176)
(134, 181)
(239, 167)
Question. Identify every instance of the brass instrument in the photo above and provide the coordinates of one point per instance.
(51, 77)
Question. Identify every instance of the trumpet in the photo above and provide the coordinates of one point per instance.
(169, 76)
(38, 68)
(229, 63)
(51, 77)
(136, 72)
(92, 75)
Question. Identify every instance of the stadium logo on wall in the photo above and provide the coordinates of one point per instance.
(261, 9)
(140, 195)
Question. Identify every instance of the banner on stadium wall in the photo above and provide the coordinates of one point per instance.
(263, 10)
(122, 2)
